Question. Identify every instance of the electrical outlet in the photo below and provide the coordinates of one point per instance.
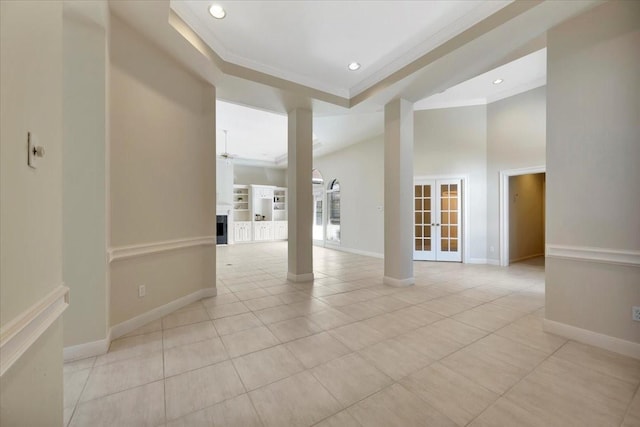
(142, 291)
(635, 313)
(491, 249)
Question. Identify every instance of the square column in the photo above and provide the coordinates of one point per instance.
(300, 266)
(398, 193)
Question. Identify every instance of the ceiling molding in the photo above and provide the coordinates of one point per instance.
(500, 17)
(247, 73)
(493, 21)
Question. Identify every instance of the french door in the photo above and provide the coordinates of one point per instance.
(437, 219)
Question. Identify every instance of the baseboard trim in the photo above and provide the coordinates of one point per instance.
(20, 333)
(127, 326)
(607, 342)
(398, 283)
(126, 252)
(355, 251)
(307, 277)
(90, 349)
(524, 258)
(603, 255)
(99, 347)
(493, 262)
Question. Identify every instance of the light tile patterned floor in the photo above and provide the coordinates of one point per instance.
(464, 346)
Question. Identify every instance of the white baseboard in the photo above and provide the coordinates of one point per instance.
(132, 324)
(525, 258)
(97, 348)
(398, 283)
(90, 349)
(307, 277)
(354, 251)
(607, 342)
(486, 261)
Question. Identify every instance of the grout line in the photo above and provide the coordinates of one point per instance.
(164, 377)
(628, 410)
(75, 406)
(504, 394)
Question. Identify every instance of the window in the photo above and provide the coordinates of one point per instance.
(333, 223)
(318, 205)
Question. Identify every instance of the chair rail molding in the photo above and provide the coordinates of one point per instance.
(20, 333)
(602, 255)
(125, 252)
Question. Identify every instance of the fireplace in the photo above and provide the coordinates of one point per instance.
(221, 229)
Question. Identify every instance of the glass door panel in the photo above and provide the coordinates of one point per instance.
(422, 204)
(448, 205)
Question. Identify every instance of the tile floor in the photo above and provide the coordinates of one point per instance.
(464, 346)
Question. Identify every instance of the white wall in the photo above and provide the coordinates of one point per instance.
(163, 173)
(526, 216)
(452, 142)
(31, 202)
(244, 174)
(593, 148)
(448, 142)
(224, 182)
(360, 170)
(516, 138)
(84, 176)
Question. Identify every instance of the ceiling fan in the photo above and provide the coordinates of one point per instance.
(226, 155)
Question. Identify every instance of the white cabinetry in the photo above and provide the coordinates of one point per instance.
(279, 204)
(259, 213)
(281, 230)
(262, 203)
(262, 230)
(241, 203)
(242, 231)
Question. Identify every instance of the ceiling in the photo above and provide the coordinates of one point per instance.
(278, 55)
(312, 42)
(260, 137)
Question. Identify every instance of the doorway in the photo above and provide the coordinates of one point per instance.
(438, 220)
(318, 207)
(522, 214)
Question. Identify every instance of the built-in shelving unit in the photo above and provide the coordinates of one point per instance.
(280, 204)
(241, 203)
(259, 213)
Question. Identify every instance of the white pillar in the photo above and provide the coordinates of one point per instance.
(398, 191)
(300, 267)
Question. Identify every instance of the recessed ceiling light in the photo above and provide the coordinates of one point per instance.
(217, 11)
(497, 81)
(354, 66)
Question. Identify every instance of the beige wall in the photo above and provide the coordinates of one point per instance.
(244, 174)
(453, 142)
(516, 138)
(448, 142)
(526, 216)
(31, 391)
(31, 202)
(84, 175)
(593, 177)
(163, 169)
(360, 170)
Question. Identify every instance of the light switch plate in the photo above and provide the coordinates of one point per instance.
(32, 159)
